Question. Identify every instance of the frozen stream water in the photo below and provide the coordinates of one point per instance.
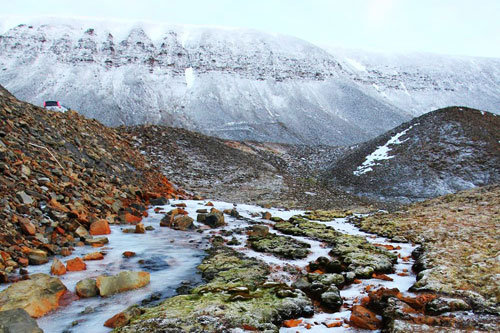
(172, 256)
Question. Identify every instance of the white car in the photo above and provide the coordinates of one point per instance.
(55, 106)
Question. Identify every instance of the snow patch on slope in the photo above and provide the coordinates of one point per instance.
(381, 153)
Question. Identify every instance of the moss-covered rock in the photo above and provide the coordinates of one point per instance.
(351, 250)
(281, 246)
(236, 295)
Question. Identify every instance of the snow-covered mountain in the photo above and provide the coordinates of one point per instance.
(231, 83)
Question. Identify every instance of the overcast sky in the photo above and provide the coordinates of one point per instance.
(462, 27)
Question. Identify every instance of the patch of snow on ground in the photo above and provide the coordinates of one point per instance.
(380, 154)
(356, 64)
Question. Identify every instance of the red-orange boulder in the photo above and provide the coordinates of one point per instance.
(100, 227)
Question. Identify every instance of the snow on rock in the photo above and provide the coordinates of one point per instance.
(380, 154)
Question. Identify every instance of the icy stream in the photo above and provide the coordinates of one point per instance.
(172, 256)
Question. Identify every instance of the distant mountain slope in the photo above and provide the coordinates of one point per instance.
(231, 83)
(441, 152)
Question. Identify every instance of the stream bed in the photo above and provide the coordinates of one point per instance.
(171, 258)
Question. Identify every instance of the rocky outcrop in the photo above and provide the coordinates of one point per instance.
(38, 295)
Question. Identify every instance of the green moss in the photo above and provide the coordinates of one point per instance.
(281, 246)
(236, 295)
(353, 251)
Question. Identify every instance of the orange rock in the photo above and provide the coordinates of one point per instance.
(27, 227)
(403, 274)
(209, 204)
(365, 300)
(357, 281)
(292, 322)
(132, 219)
(66, 252)
(139, 228)
(128, 254)
(23, 261)
(334, 324)
(308, 326)
(54, 204)
(100, 227)
(93, 256)
(182, 204)
(57, 267)
(382, 277)
(419, 302)
(363, 318)
(76, 264)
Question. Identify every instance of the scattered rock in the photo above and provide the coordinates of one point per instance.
(75, 264)
(139, 228)
(86, 288)
(27, 227)
(93, 256)
(37, 257)
(331, 298)
(128, 254)
(214, 219)
(24, 198)
(123, 281)
(183, 222)
(57, 267)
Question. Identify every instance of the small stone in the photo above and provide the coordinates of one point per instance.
(123, 318)
(139, 228)
(27, 227)
(24, 198)
(128, 254)
(93, 256)
(75, 264)
(37, 257)
(86, 288)
(57, 267)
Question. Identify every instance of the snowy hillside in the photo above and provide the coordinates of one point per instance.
(441, 152)
(422, 82)
(231, 83)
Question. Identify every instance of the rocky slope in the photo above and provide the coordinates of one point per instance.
(441, 152)
(60, 174)
(263, 173)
